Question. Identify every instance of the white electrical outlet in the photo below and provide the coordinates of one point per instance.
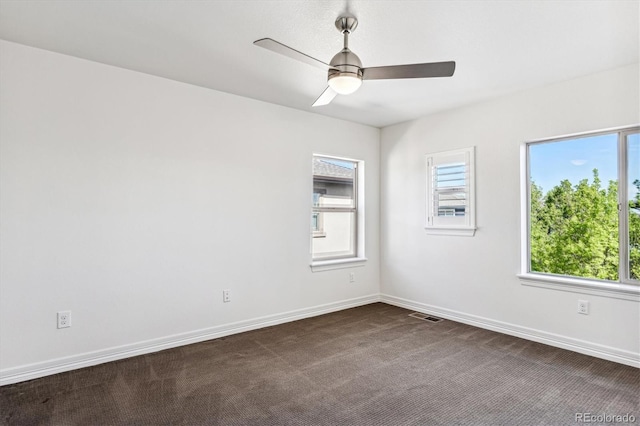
(352, 277)
(64, 319)
(226, 296)
(583, 307)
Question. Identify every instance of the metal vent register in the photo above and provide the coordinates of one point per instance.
(425, 317)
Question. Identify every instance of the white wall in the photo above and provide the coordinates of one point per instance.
(133, 201)
(474, 279)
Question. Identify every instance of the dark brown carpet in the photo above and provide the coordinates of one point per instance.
(372, 365)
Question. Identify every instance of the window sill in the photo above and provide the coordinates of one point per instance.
(577, 285)
(463, 232)
(328, 265)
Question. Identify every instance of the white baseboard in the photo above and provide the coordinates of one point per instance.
(60, 365)
(46, 368)
(564, 342)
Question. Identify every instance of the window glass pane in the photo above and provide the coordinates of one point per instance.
(450, 189)
(333, 183)
(338, 235)
(451, 203)
(633, 174)
(450, 176)
(574, 207)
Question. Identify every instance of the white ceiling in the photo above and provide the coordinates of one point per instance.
(499, 46)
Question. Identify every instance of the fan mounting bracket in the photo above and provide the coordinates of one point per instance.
(346, 24)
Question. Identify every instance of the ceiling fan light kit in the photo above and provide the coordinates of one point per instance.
(345, 71)
(345, 83)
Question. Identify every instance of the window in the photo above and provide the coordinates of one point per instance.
(334, 208)
(450, 193)
(583, 207)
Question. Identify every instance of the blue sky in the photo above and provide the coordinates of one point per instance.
(335, 161)
(575, 159)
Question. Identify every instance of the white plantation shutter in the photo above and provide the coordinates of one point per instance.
(450, 192)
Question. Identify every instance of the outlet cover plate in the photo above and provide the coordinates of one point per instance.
(64, 319)
(583, 307)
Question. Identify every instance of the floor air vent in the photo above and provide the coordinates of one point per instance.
(425, 317)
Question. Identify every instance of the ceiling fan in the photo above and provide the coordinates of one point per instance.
(345, 69)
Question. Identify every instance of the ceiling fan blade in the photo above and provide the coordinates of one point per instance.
(326, 97)
(432, 69)
(282, 49)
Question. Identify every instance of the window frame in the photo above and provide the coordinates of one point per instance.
(623, 206)
(624, 288)
(356, 258)
(454, 227)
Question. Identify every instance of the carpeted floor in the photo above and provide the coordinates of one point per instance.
(372, 365)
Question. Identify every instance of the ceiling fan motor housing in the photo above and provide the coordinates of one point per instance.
(344, 63)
